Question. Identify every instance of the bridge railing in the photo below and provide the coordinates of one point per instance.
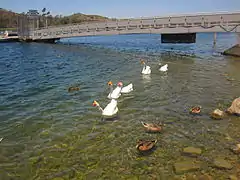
(172, 19)
(203, 21)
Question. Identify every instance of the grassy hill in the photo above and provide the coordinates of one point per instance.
(8, 19)
(75, 18)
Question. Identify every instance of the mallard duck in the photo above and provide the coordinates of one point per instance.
(110, 110)
(152, 127)
(146, 69)
(71, 89)
(195, 110)
(145, 145)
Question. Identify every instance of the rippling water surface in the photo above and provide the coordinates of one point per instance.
(51, 133)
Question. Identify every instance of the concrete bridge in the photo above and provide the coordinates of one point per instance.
(171, 27)
(220, 22)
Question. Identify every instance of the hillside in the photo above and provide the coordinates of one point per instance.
(8, 19)
(75, 18)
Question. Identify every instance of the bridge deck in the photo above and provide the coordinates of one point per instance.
(227, 22)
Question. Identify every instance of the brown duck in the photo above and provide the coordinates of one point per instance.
(145, 145)
(195, 110)
(71, 89)
(152, 127)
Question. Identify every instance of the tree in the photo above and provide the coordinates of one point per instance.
(43, 10)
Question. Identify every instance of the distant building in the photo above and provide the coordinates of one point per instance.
(33, 12)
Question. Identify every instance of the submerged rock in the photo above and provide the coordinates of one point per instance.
(235, 107)
(217, 114)
(186, 166)
(205, 177)
(191, 177)
(236, 149)
(58, 178)
(192, 151)
(233, 177)
(222, 164)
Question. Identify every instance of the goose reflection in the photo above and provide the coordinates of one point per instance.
(146, 78)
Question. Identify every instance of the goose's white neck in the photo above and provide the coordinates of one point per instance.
(111, 89)
(113, 100)
(100, 108)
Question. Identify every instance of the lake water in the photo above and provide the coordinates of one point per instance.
(51, 133)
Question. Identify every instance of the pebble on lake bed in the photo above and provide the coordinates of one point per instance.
(233, 177)
(186, 166)
(205, 177)
(217, 114)
(221, 163)
(192, 151)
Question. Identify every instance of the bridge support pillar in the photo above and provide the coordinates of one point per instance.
(214, 39)
(238, 38)
(235, 50)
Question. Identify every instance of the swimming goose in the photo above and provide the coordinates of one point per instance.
(114, 93)
(110, 110)
(163, 68)
(146, 69)
(127, 89)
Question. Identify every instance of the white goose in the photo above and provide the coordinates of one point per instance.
(110, 110)
(116, 93)
(127, 89)
(163, 68)
(146, 69)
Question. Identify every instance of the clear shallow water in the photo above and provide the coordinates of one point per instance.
(51, 133)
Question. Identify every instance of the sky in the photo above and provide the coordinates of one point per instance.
(123, 8)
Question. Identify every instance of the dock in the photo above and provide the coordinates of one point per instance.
(9, 39)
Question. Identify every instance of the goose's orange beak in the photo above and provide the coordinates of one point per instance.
(110, 83)
(95, 103)
(142, 62)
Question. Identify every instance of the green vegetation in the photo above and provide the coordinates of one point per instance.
(75, 18)
(8, 29)
(8, 19)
